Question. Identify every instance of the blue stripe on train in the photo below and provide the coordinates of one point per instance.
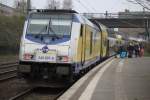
(51, 41)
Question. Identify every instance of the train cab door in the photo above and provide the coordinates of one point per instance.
(101, 41)
(83, 35)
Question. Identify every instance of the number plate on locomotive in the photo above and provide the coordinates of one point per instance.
(50, 56)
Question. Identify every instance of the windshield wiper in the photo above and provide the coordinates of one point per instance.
(51, 30)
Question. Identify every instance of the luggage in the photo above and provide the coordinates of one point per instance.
(123, 54)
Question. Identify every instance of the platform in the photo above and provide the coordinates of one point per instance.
(116, 79)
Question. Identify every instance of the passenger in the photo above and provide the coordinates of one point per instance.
(120, 48)
(141, 53)
(137, 50)
(130, 50)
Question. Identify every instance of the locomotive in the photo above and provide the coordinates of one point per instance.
(59, 45)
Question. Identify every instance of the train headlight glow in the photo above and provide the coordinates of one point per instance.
(27, 56)
(64, 58)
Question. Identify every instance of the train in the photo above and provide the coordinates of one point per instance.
(58, 45)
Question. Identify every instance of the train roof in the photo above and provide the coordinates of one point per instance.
(81, 18)
(98, 24)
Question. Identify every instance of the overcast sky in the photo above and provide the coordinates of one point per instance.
(96, 6)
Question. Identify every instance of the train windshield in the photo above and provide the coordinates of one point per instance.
(58, 25)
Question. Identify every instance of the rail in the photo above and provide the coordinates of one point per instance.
(33, 90)
(22, 94)
(8, 70)
(8, 63)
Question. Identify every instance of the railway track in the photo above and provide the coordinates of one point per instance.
(8, 70)
(22, 94)
(8, 63)
(39, 94)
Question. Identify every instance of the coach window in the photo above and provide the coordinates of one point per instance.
(95, 36)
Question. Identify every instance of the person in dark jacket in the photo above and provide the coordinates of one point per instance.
(130, 50)
(137, 50)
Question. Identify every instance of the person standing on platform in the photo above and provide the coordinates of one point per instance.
(141, 54)
(130, 50)
(137, 50)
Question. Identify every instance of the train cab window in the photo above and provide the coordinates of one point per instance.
(38, 25)
(50, 24)
(49, 28)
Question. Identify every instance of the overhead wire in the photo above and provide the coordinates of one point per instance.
(131, 1)
(91, 6)
(147, 2)
(141, 3)
(85, 7)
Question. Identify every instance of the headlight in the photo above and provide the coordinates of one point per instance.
(63, 58)
(27, 56)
